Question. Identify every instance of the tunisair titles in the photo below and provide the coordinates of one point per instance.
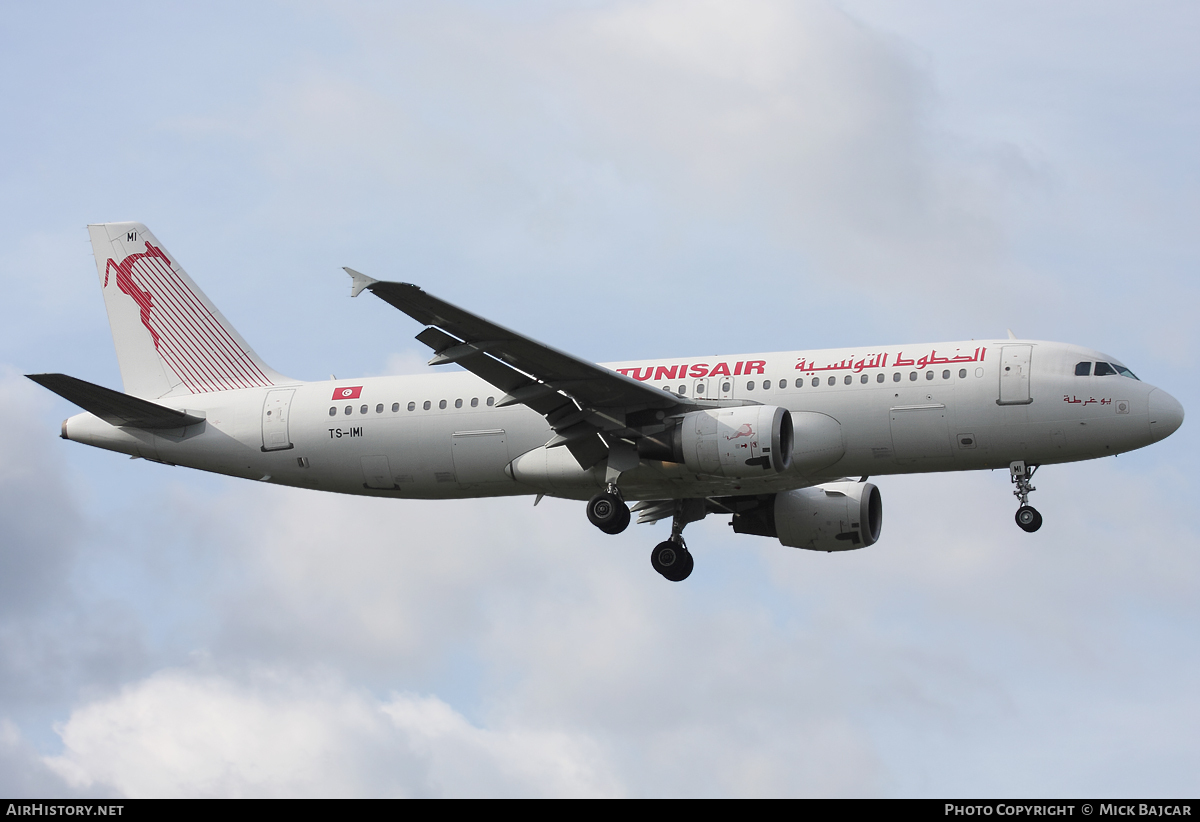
(854, 364)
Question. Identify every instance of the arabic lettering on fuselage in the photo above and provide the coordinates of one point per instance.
(880, 360)
(1071, 398)
(743, 368)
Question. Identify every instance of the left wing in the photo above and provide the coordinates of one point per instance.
(590, 408)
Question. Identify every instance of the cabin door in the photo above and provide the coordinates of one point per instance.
(275, 414)
(1014, 374)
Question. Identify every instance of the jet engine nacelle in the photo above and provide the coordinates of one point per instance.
(836, 516)
(734, 442)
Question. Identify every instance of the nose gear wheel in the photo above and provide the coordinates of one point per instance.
(1028, 518)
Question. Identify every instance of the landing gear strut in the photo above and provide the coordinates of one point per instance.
(608, 512)
(1028, 519)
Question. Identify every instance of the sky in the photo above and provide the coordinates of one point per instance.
(621, 180)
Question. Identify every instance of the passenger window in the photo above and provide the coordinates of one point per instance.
(458, 403)
(816, 381)
(362, 409)
(442, 405)
(427, 405)
(962, 373)
(395, 407)
(833, 380)
(863, 379)
(412, 406)
(912, 377)
(474, 402)
(766, 384)
(848, 379)
(1083, 369)
(896, 377)
(1103, 369)
(379, 408)
(333, 412)
(879, 377)
(945, 375)
(750, 385)
(725, 387)
(682, 391)
(349, 410)
(929, 375)
(491, 401)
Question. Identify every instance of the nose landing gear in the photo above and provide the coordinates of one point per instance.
(1028, 518)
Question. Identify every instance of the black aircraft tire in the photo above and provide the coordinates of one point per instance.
(605, 511)
(672, 560)
(686, 570)
(1028, 518)
(624, 517)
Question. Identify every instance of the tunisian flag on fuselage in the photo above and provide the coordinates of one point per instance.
(350, 392)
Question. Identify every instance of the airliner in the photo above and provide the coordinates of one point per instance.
(782, 442)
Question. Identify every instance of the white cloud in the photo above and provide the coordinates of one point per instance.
(38, 516)
(770, 672)
(182, 733)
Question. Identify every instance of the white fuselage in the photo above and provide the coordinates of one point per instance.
(900, 409)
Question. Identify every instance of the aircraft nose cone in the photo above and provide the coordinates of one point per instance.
(1166, 414)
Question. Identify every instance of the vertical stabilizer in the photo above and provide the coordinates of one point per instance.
(170, 338)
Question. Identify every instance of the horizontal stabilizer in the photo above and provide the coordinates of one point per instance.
(114, 407)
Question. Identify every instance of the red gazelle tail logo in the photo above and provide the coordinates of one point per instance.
(190, 339)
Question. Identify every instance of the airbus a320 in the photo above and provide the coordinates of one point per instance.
(773, 440)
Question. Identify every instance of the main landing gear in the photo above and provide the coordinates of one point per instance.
(1028, 518)
(608, 512)
(671, 558)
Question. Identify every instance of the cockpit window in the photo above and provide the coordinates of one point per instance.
(1103, 369)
